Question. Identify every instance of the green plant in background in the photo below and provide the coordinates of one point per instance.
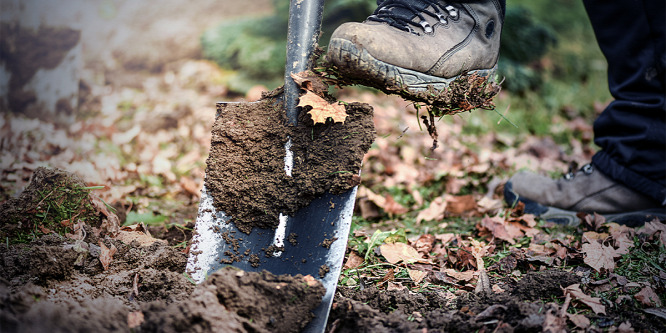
(256, 47)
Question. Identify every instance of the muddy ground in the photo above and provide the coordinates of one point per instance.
(89, 277)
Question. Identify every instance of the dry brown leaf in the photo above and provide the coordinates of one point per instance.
(599, 256)
(78, 231)
(593, 302)
(499, 228)
(434, 212)
(190, 186)
(134, 319)
(397, 252)
(648, 297)
(394, 286)
(445, 238)
(625, 328)
(653, 227)
(416, 275)
(111, 224)
(460, 204)
(141, 237)
(489, 205)
(353, 260)
(424, 243)
(393, 207)
(460, 276)
(322, 110)
(106, 254)
(309, 80)
(579, 320)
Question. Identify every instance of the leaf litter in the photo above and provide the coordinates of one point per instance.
(400, 159)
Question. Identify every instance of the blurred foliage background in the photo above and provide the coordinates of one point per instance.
(549, 60)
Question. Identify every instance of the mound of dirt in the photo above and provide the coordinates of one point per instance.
(85, 281)
(370, 310)
(245, 172)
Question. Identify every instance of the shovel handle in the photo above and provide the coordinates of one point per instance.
(302, 36)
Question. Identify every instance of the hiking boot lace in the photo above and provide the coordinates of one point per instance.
(393, 12)
(586, 169)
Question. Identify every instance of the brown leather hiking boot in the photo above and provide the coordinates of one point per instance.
(587, 190)
(413, 44)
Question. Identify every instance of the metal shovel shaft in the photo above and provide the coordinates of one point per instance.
(302, 36)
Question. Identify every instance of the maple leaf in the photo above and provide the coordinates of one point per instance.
(322, 110)
(599, 256)
(593, 302)
(397, 252)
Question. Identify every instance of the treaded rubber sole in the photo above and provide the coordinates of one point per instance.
(358, 63)
(567, 217)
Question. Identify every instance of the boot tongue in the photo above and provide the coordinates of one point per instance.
(405, 13)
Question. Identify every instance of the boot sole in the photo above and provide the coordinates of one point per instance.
(386, 77)
(570, 218)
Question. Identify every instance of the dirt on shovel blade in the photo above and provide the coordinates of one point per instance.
(245, 172)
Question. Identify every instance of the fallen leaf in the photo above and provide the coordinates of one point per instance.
(489, 205)
(141, 237)
(460, 276)
(434, 212)
(483, 284)
(497, 289)
(353, 261)
(106, 254)
(652, 227)
(579, 320)
(460, 204)
(593, 302)
(78, 231)
(134, 319)
(424, 243)
(416, 275)
(393, 207)
(499, 228)
(599, 256)
(648, 297)
(594, 221)
(394, 286)
(397, 252)
(322, 110)
(44, 229)
(625, 328)
(309, 80)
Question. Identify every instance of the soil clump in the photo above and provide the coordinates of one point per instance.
(58, 282)
(245, 172)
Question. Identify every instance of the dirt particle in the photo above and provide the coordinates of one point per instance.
(327, 242)
(323, 270)
(292, 239)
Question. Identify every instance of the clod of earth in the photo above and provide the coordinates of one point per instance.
(246, 167)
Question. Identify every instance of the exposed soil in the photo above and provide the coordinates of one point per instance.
(369, 310)
(246, 167)
(58, 283)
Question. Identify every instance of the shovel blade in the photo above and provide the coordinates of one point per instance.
(311, 242)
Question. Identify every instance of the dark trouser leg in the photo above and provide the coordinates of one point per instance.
(632, 130)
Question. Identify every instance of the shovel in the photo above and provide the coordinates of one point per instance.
(316, 224)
